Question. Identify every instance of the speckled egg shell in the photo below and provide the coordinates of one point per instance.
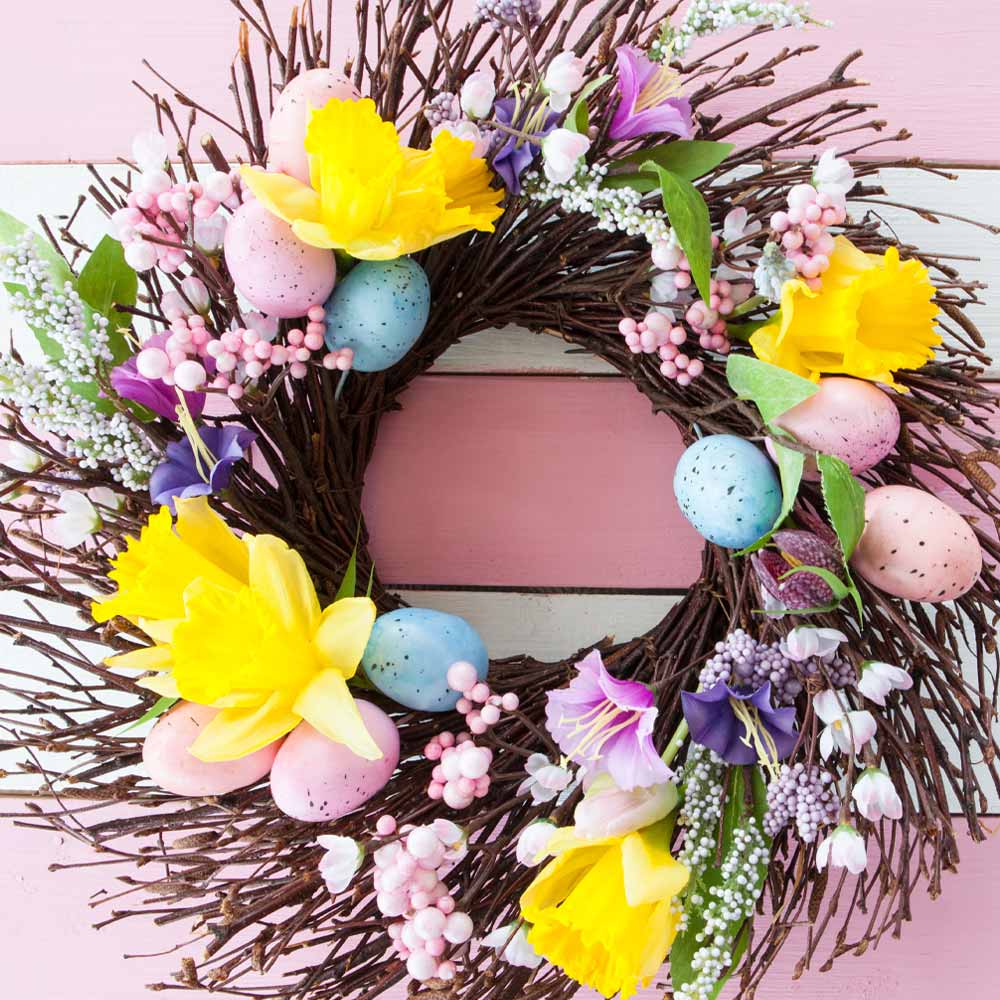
(174, 769)
(272, 268)
(728, 490)
(379, 310)
(915, 546)
(410, 651)
(316, 780)
(849, 418)
(290, 119)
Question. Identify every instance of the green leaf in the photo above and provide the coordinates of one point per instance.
(744, 331)
(791, 464)
(105, 281)
(578, 118)
(686, 158)
(643, 183)
(154, 712)
(689, 218)
(772, 389)
(844, 497)
(840, 589)
(371, 581)
(349, 584)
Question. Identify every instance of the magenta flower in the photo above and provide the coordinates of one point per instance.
(154, 394)
(650, 98)
(736, 723)
(800, 590)
(607, 725)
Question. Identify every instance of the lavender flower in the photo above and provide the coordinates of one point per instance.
(607, 725)
(154, 394)
(650, 99)
(515, 154)
(737, 725)
(181, 475)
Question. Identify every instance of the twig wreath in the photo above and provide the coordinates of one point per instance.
(184, 465)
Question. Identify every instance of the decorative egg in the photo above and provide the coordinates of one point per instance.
(290, 119)
(272, 268)
(314, 779)
(172, 767)
(410, 651)
(379, 310)
(849, 418)
(916, 547)
(728, 490)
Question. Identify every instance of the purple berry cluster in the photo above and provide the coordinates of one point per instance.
(441, 108)
(804, 794)
(502, 12)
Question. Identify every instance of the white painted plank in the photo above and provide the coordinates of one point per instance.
(27, 190)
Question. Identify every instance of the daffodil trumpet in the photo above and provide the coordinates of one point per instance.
(237, 626)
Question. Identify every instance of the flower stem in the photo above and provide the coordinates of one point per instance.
(750, 305)
(676, 742)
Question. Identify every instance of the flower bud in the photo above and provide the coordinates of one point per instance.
(478, 94)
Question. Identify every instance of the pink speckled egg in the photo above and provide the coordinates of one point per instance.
(315, 779)
(287, 131)
(849, 418)
(915, 546)
(272, 268)
(174, 769)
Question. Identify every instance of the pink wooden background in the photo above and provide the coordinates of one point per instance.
(489, 480)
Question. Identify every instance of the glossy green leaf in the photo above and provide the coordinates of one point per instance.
(578, 117)
(844, 497)
(689, 218)
(686, 158)
(157, 709)
(349, 584)
(773, 390)
(105, 281)
(840, 589)
(643, 183)
(791, 464)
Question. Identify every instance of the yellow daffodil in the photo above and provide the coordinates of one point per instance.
(238, 626)
(603, 909)
(374, 197)
(872, 317)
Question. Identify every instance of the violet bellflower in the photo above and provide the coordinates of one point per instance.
(154, 394)
(514, 155)
(181, 474)
(737, 724)
(606, 724)
(650, 101)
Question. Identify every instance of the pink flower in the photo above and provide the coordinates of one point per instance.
(607, 811)
(561, 153)
(878, 679)
(845, 731)
(876, 796)
(650, 99)
(844, 848)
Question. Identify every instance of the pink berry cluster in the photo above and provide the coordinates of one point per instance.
(238, 356)
(153, 226)
(803, 229)
(409, 888)
(461, 772)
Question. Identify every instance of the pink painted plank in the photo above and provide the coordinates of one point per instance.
(561, 482)
(51, 952)
(67, 74)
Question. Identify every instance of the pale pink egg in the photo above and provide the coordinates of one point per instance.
(272, 268)
(172, 767)
(287, 131)
(915, 546)
(315, 779)
(849, 418)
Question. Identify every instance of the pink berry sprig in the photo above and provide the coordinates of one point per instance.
(803, 229)
(410, 890)
(462, 677)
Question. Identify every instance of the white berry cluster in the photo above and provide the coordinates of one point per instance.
(702, 807)
(710, 17)
(45, 394)
(617, 210)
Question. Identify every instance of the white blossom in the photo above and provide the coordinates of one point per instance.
(806, 642)
(876, 796)
(608, 811)
(833, 174)
(845, 730)
(466, 130)
(772, 271)
(844, 848)
(545, 780)
(77, 522)
(562, 150)
(150, 150)
(533, 841)
(878, 679)
(563, 78)
(478, 94)
(20, 457)
(512, 946)
(341, 861)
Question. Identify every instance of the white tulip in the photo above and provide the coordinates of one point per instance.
(845, 730)
(20, 458)
(478, 94)
(844, 848)
(77, 522)
(876, 796)
(563, 79)
(341, 861)
(561, 152)
(878, 679)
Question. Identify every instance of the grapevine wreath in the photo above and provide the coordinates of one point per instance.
(323, 792)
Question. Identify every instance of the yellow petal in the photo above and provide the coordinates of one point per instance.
(287, 198)
(343, 633)
(162, 684)
(326, 704)
(651, 873)
(279, 576)
(159, 629)
(237, 732)
(315, 234)
(201, 528)
(147, 658)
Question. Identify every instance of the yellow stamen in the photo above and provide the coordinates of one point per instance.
(599, 726)
(662, 85)
(757, 736)
(204, 460)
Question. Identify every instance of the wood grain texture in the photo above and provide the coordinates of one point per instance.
(77, 104)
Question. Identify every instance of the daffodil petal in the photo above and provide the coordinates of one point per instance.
(315, 234)
(327, 705)
(344, 629)
(162, 684)
(201, 528)
(159, 629)
(237, 732)
(147, 658)
(651, 873)
(280, 577)
(287, 198)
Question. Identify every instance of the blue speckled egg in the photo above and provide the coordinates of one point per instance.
(379, 310)
(410, 651)
(728, 490)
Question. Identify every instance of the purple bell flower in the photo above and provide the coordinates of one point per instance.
(515, 154)
(606, 724)
(154, 394)
(650, 101)
(180, 476)
(717, 721)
